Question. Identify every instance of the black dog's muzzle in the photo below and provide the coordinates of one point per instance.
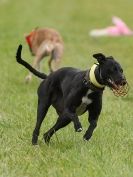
(120, 88)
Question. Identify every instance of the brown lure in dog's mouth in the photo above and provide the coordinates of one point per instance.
(119, 89)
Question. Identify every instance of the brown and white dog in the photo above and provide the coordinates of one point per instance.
(45, 42)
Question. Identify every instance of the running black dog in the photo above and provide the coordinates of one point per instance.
(72, 92)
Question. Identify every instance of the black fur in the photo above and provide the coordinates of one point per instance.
(71, 93)
(29, 67)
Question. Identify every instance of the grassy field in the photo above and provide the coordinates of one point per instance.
(110, 151)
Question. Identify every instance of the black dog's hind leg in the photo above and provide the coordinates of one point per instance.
(41, 113)
(61, 122)
(93, 118)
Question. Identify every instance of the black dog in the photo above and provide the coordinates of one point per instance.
(73, 92)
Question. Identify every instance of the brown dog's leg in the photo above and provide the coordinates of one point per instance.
(44, 50)
(36, 65)
(54, 64)
(56, 56)
(49, 64)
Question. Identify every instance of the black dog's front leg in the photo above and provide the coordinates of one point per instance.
(70, 105)
(93, 118)
(89, 132)
(75, 119)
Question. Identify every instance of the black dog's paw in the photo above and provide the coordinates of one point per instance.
(46, 138)
(34, 139)
(86, 137)
(78, 127)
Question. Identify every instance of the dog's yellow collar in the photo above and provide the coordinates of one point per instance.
(93, 78)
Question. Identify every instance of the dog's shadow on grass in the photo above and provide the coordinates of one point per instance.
(61, 144)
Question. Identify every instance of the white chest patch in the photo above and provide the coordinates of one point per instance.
(87, 100)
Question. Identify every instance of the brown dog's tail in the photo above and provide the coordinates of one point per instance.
(27, 65)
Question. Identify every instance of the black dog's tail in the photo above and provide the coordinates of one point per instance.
(27, 65)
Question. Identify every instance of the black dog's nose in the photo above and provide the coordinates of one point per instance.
(124, 82)
(121, 82)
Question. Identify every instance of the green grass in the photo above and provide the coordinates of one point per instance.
(110, 151)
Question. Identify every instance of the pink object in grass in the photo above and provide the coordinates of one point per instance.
(119, 28)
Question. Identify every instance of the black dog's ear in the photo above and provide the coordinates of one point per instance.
(100, 57)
